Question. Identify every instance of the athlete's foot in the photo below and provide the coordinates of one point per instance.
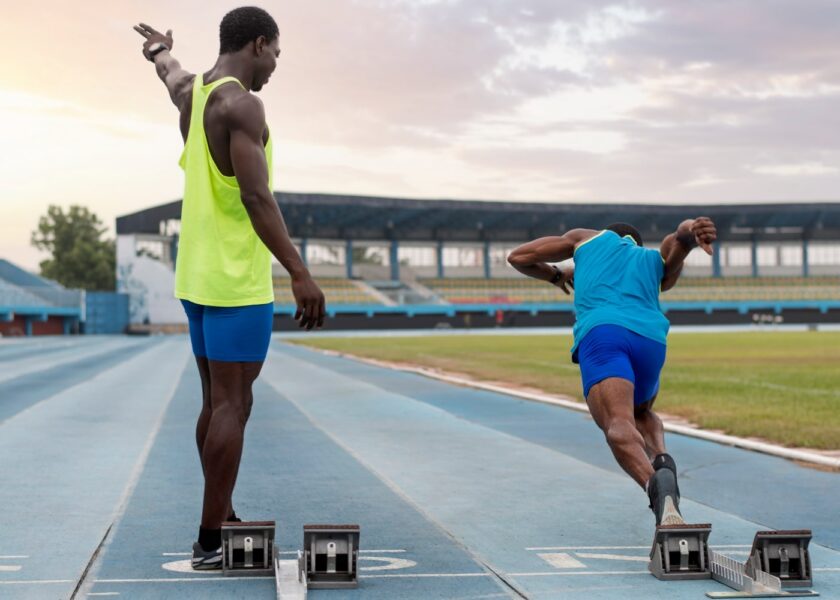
(665, 497)
(206, 561)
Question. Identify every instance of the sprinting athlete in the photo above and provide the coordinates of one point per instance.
(619, 336)
(230, 227)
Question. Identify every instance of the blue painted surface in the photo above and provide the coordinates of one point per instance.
(721, 477)
(453, 477)
(27, 390)
(292, 473)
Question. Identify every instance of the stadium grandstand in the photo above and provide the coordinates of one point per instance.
(32, 305)
(426, 263)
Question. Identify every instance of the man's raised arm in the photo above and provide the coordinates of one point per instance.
(156, 49)
(247, 154)
(532, 259)
(676, 246)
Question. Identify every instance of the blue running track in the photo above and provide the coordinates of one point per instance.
(461, 494)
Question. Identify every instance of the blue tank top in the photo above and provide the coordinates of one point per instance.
(618, 283)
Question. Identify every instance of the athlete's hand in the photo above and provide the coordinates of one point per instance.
(705, 233)
(153, 37)
(567, 279)
(310, 302)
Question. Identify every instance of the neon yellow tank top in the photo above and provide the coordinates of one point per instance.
(221, 261)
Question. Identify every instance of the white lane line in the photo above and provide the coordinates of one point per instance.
(391, 564)
(85, 582)
(561, 560)
(9, 568)
(219, 578)
(564, 573)
(104, 594)
(826, 569)
(35, 581)
(574, 548)
(425, 575)
(612, 556)
(590, 548)
(284, 553)
(11, 556)
(566, 402)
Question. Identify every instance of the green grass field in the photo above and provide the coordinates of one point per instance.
(779, 386)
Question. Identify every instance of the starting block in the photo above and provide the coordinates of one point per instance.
(330, 556)
(681, 552)
(778, 559)
(248, 548)
(783, 554)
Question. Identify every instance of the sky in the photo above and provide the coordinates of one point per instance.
(654, 101)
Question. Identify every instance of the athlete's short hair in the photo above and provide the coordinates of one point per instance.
(625, 229)
(244, 25)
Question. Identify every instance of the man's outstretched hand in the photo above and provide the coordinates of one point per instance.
(310, 302)
(567, 279)
(153, 37)
(705, 233)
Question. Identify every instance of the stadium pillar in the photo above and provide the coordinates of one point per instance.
(440, 259)
(754, 257)
(67, 325)
(486, 259)
(395, 260)
(805, 269)
(716, 270)
(303, 244)
(348, 258)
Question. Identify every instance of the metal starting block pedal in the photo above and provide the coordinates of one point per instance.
(330, 556)
(680, 552)
(248, 548)
(782, 554)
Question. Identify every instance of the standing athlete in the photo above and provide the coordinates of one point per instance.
(619, 336)
(230, 227)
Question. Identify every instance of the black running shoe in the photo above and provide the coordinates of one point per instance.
(206, 561)
(665, 497)
(666, 461)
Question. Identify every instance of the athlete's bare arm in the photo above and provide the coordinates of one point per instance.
(676, 246)
(178, 82)
(532, 259)
(246, 123)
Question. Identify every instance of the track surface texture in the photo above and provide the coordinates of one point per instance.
(460, 493)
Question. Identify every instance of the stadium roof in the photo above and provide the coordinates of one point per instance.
(340, 217)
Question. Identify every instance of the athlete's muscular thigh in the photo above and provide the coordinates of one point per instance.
(610, 399)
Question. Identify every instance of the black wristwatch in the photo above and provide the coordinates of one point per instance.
(156, 49)
(558, 274)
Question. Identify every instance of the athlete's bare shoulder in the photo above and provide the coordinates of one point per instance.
(242, 110)
(578, 236)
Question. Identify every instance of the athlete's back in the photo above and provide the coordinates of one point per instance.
(617, 283)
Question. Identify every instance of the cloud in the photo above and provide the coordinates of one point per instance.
(795, 170)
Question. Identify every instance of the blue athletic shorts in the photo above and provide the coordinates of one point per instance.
(230, 334)
(613, 351)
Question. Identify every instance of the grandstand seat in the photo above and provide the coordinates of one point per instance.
(518, 290)
(338, 290)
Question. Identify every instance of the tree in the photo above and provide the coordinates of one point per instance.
(80, 257)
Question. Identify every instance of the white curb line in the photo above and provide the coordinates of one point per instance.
(720, 438)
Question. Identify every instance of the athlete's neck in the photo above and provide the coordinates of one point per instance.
(231, 65)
